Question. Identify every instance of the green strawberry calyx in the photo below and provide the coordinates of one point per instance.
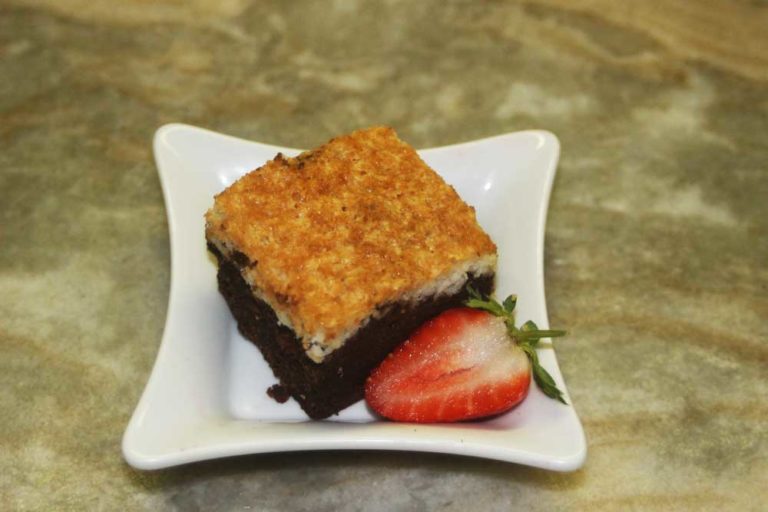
(527, 337)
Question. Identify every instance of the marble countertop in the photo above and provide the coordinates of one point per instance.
(656, 248)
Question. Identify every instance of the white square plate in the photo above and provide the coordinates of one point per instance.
(206, 396)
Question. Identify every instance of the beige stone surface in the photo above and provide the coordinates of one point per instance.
(656, 251)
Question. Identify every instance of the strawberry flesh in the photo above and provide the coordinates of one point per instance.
(458, 366)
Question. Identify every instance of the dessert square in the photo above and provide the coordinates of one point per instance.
(331, 259)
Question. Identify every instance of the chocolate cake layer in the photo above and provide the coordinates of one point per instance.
(326, 388)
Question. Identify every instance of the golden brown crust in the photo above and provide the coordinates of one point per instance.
(342, 229)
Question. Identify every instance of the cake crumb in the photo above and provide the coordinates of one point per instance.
(278, 393)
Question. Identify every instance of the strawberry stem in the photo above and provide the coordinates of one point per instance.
(527, 337)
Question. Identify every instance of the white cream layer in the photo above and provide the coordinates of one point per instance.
(318, 347)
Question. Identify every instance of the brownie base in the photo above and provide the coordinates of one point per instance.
(323, 389)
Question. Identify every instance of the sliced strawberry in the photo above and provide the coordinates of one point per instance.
(458, 366)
